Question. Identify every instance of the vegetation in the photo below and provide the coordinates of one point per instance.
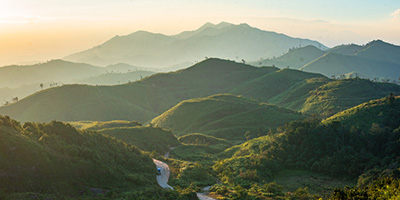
(98, 125)
(224, 116)
(145, 137)
(145, 99)
(329, 148)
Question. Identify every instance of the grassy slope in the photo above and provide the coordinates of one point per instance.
(363, 115)
(339, 95)
(57, 159)
(146, 138)
(143, 100)
(258, 159)
(140, 101)
(224, 116)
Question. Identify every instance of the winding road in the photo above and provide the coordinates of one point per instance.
(163, 179)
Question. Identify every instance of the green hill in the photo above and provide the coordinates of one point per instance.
(347, 145)
(56, 161)
(339, 95)
(145, 99)
(383, 112)
(146, 138)
(381, 51)
(140, 101)
(224, 116)
(269, 85)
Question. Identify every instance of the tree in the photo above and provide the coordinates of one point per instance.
(41, 86)
(243, 61)
(15, 99)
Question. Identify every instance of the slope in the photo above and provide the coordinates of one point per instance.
(347, 145)
(52, 71)
(56, 161)
(339, 95)
(335, 65)
(223, 40)
(140, 101)
(224, 116)
(294, 59)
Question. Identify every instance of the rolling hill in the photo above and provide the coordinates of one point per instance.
(145, 99)
(224, 116)
(348, 144)
(52, 71)
(146, 138)
(223, 40)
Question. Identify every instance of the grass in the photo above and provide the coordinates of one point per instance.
(224, 116)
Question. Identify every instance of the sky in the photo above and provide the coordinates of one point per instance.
(41, 30)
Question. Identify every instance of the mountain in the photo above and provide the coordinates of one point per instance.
(223, 116)
(375, 60)
(332, 64)
(52, 71)
(349, 49)
(223, 40)
(293, 59)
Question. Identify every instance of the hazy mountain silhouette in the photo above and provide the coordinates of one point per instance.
(376, 59)
(224, 40)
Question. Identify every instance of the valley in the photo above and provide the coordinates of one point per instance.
(225, 111)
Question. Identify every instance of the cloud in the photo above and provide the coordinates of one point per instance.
(396, 14)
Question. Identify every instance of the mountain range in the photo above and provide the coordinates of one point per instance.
(376, 60)
(223, 40)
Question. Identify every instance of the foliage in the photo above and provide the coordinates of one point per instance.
(42, 160)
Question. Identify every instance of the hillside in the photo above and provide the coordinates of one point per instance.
(115, 78)
(54, 160)
(145, 99)
(332, 64)
(140, 101)
(224, 116)
(145, 138)
(340, 95)
(383, 112)
(51, 71)
(314, 146)
(294, 59)
(223, 40)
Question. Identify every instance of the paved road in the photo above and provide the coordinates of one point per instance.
(163, 179)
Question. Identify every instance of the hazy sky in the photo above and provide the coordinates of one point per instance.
(40, 30)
